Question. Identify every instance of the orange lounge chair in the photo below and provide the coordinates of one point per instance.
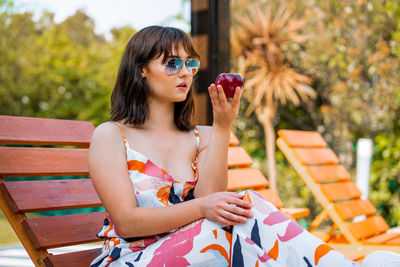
(340, 198)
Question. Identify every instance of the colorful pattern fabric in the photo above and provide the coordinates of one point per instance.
(269, 238)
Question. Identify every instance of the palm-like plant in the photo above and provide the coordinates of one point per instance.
(257, 40)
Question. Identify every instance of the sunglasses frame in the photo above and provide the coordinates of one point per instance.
(170, 71)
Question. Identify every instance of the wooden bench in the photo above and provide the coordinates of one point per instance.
(42, 150)
(55, 148)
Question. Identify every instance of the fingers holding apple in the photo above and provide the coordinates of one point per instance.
(236, 97)
(213, 91)
(232, 84)
(225, 97)
(221, 96)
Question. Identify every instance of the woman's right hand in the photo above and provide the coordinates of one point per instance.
(224, 111)
(227, 208)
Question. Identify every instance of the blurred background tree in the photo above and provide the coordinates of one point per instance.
(257, 39)
(57, 70)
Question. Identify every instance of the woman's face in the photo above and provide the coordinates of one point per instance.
(168, 87)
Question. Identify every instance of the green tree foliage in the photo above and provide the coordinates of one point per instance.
(354, 64)
(57, 70)
(385, 177)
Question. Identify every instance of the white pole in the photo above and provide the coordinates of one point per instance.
(364, 155)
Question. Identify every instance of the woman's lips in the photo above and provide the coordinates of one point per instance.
(182, 86)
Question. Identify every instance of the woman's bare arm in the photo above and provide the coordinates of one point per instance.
(212, 161)
(109, 173)
(213, 158)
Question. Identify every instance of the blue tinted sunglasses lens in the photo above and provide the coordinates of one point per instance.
(193, 66)
(173, 66)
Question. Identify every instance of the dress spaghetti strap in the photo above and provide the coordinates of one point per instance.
(197, 135)
(123, 134)
(194, 163)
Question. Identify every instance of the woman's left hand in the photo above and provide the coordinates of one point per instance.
(224, 111)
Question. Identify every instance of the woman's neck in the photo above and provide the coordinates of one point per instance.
(161, 116)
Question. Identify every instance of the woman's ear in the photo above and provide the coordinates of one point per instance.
(143, 72)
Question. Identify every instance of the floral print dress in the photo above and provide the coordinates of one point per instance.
(269, 238)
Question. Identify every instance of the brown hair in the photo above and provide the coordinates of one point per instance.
(129, 99)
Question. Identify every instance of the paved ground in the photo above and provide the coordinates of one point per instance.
(16, 256)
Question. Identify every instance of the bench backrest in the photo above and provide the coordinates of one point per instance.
(46, 149)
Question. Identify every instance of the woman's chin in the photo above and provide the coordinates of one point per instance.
(180, 98)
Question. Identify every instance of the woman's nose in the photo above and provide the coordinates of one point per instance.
(185, 70)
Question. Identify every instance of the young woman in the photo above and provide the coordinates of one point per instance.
(163, 181)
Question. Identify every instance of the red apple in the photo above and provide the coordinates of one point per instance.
(229, 82)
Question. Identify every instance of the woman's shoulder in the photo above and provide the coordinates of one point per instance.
(107, 131)
(107, 128)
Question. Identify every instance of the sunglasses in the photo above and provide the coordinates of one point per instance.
(173, 66)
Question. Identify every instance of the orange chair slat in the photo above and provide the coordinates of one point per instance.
(41, 131)
(341, 191)
(38, 161)
(272, 196)
(310, 156)
(353, 208)
(302, 138)
(78, 258)
(394, 241)
(233, 140)
(238, 157)
(383, 238)
(64, 230)
(246, 178)
(328, 173)
(33, 196)
(371, 226)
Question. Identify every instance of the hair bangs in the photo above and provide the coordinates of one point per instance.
(172, 40)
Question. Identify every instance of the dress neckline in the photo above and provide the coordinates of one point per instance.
(164, 170)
